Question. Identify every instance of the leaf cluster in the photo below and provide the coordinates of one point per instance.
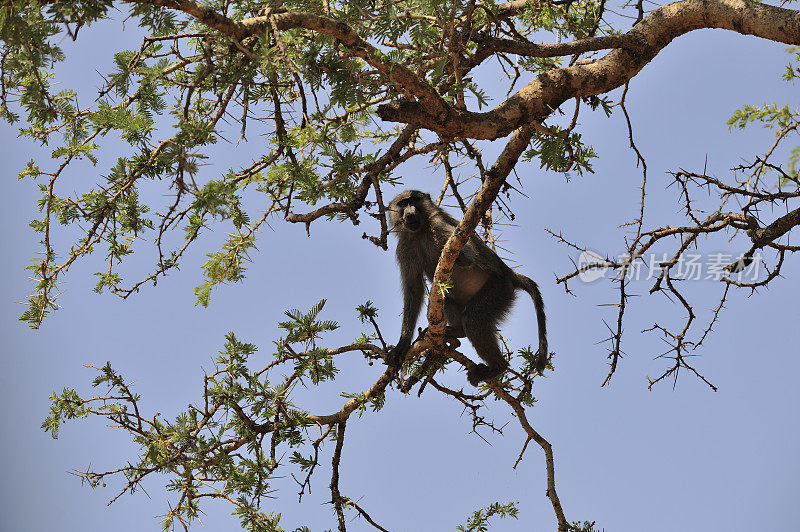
(228, 445)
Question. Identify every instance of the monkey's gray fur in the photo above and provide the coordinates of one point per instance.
(483, 286)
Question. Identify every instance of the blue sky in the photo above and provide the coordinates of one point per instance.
(631, 459)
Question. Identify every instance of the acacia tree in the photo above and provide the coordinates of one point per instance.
(347, 93)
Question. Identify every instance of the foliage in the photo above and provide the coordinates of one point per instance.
(226, 445)
(479, 521)
(585, 527)
(323, 102)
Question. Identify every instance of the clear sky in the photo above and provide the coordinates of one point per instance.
(663, 460)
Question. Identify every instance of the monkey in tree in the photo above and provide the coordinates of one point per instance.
(483, 287)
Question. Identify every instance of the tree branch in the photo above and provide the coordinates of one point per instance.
(495, 177)
(775, 230)
(541, 96)
(529, 49)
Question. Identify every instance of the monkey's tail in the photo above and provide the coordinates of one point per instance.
(530, 286)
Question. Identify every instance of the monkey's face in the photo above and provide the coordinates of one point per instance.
(412, 220)
(407, 211)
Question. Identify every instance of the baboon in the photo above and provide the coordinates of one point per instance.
(483, 286)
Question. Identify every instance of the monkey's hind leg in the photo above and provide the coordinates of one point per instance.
(480, 319)
(455, 318)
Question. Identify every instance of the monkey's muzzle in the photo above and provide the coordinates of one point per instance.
(411, 221)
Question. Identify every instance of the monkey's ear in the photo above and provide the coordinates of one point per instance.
(428, 196)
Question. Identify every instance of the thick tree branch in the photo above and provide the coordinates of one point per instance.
(540, 96)
(529, 49)
(399, 75)
(425, 108)
(775, 230)
(405, 80)
(494, 179)
(204, 14)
